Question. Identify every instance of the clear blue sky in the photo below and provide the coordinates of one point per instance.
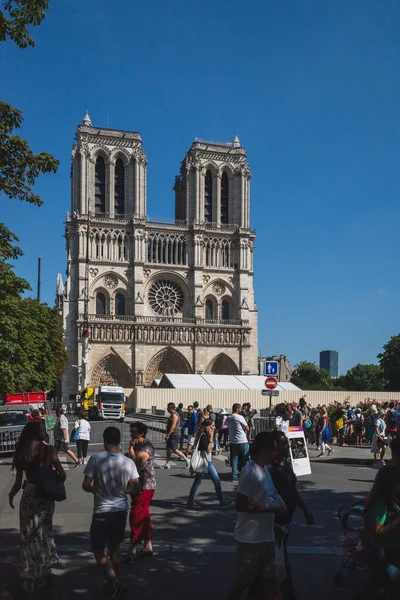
(312, 89)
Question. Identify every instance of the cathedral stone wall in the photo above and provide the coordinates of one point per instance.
(156, 297)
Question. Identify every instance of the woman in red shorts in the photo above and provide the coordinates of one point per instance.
(141, 451)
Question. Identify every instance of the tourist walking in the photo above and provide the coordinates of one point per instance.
(209, 413)
(110, 476)
(82, 428)
(61, 436)
(191, 425)
(179, 410)
(173, 437)
(324, 432)
(238, 429)
(257, 502)
(37, 548)
(223, 430)
(204, 444)
(391, 422)
(295, 415)
(281, 421)
(379, 440)
(42, 421)
(142, 452)
(285, 482)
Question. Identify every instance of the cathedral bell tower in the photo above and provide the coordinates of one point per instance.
(213, 187)
(108, 173)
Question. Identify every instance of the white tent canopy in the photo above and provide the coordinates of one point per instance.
(220, 382)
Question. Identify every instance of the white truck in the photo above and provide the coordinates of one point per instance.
(111, 402)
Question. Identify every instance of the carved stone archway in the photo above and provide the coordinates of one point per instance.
(112, 370)
(168, 360)
(222, 365)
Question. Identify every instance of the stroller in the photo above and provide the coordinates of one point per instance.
(355, 547)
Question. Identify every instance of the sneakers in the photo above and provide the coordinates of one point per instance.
(322, 454)
(235, 479)
(115, 593)
(187, 465)
(167, 466)
(119, 591)
(77, 464)
(225, 502)
(330, 451)
(192, 505)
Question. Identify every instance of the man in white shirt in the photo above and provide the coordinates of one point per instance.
(257, 502)
(61, 437)
(238, 439)
(110, 476)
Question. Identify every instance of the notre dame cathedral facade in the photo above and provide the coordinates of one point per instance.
(154, 297)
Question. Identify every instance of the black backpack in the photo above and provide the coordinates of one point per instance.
(218, 420)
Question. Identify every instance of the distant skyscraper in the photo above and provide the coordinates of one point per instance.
(329, 360)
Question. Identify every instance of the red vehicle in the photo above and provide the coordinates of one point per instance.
(34, 399)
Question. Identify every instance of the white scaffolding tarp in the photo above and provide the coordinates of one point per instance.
(220, 382)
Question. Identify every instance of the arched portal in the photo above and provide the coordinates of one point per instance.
(222, 365)
(168, 360)
(112, 370)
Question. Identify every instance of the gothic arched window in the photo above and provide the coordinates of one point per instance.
(120, 305)
(224, 199)
(208, 189)
(100, 303)
(119, 188)
(100, 187)
(209, 309)
(225, 309)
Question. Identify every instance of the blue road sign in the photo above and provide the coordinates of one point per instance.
(271, 368)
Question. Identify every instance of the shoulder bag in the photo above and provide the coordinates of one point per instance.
(75, 433)
(48, 484)
(198, 462)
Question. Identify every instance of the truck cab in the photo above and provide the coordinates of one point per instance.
(111, 403)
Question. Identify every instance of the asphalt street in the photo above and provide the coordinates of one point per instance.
(190, 544)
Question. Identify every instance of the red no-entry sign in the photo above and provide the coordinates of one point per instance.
(271, 383)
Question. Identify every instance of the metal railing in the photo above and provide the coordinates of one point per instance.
(157, 424)
(9, 437)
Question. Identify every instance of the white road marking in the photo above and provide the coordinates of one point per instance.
(206, 548)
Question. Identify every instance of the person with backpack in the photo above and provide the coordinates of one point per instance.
(358, 426)
(340, 426)
(391, 422)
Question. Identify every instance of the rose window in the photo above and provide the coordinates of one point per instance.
(166, 297)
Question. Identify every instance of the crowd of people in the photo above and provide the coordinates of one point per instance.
(266, 498)
(369, 425)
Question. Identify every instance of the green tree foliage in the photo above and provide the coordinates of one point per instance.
(389, 361)
(308, 376)
(364, 378)
(15, 18)
(19, 166)
(32, 349)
